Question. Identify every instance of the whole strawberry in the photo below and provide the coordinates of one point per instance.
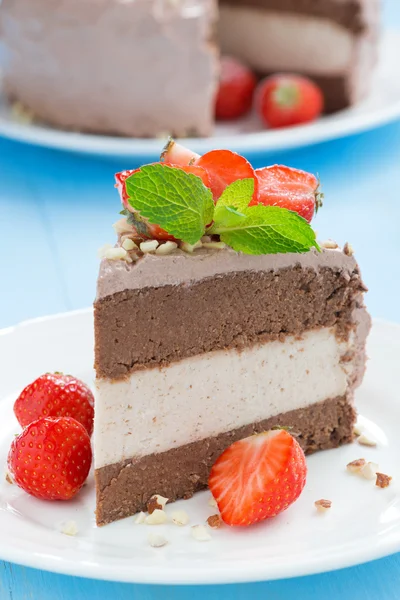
(258, 477)
(55, 395)
(51, 458)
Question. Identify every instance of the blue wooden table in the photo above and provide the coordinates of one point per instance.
(56, 209)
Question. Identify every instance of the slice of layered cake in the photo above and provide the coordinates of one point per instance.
(215, 319)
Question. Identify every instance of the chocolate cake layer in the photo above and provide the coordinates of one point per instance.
(125, 488)
(157, 325)
(347, 14)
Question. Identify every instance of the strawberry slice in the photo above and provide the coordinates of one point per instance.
(224, 167)
(155, 231)
(289, 188)
(177, 154)
(258, 477)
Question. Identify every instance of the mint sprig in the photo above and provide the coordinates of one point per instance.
(180, 203)
(177, 201)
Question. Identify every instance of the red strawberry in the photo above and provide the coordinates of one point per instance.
(288, 188)
(258, 477)
(223, 168)
(55, 395)
(155, 231)
(177, 154)
(51, 458)
(236, 88)
(285, 100)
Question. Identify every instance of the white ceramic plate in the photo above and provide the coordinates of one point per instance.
(382, 106)
(363, 523)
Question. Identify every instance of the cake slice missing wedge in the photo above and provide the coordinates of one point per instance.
(195, 351)
(202, 342)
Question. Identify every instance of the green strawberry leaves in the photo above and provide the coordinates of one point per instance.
(181, 204)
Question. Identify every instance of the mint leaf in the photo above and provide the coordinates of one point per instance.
(228, 216)
(267, 230)
(238, 194)
(177, 201)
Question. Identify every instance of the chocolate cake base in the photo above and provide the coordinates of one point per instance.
(125, 488)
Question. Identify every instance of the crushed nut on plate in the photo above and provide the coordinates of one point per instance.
(214, 521)
(140, 518)
(323, 505)
(157, 541)
(8, 478)
(155, 502)
(200, 533)
(157, 517)
(212, 502)
(180, 517)
(382, 480)
(357, 429)
(69, 528)
(356, 465)
(364, 440)
(369, 470)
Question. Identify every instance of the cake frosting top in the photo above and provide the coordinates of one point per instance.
(181, 267)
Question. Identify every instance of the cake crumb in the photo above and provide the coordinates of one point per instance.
(356, 465)
(323, 505)
(157, 517)
(329, 244)
(140, 518)
(382, 480)
(214, 521)
(8, 478)
(167, 248)
(214, 245)
(157, 541)
(369, 470)
(200, 533)
(149, 246)
(69, 528)
(348, 249)
(190, 247)
(180, 517)
(364, 440)
(156, 502)
(212, 502)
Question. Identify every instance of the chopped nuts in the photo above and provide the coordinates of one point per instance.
(357, 429)
(200, 533)
(8, 478)
(214, 245)
(157, 517)
(128, 244)
(190, 247)
(348, 249)
(382, 480)
(212, 502)
(369, 470)
(323, 505)
(122, 226)
(166, 248)
(101, 252)
(116, 254)
(180, 517)
(356, 465)
(149, 246)
(329, 244)
(214, 521)
(157, 541)
(364, 440)
(156, 502)
(69, 528)
(140, 518)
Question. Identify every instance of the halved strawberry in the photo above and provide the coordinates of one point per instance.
(155, 231)
(177, 154)
(288, 188)
(258, 477)
(224, 167)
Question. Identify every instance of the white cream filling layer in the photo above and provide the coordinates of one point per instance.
(269, 41)
(155, 410)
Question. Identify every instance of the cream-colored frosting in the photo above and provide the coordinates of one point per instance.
(138, 68)
(181, 267)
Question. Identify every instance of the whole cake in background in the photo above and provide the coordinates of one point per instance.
(216, 322)
(150, 67)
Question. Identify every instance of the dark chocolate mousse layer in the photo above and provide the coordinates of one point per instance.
(125, 488)
(151, 326)
(348, 14)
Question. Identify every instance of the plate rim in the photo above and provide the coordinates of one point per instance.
(201, 574)
(262, 141)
